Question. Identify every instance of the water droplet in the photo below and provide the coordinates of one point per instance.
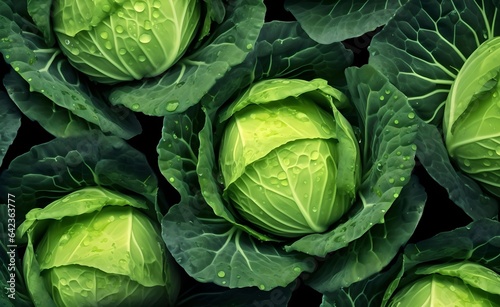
(156, 14)
(119, 29)
(395, 195)
(466, 162)
(221, 274)
(108, 45)
(67, 41)
(122, 51)
(411, 115)
(157, 4)
(381, 98)
(314, 209)
(297, 269)
(396, 122)
(391, 180)
(135, 106)
(171, 179)
(171, 106)
(140, 6)
(63, 281)
(145, 38)
(75, 51)
(104, 35)
(262, 287)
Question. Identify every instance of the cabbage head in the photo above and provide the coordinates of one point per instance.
(95, 247)
(460, 284)
(289, 159)
(472, 116)
(120, 40)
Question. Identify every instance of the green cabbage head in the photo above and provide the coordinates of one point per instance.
(120, 40)
(289, 159)
(472, 116)
(461, 284)
(95, 247)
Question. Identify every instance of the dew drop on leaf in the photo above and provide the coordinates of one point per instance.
(171, 106)
(221, 274)
(145, 38)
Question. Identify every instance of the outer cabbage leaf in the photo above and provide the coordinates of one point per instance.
(211, 249)
(424, 46)
(48, 72)
(56, 168)
(40, 12)
(475, 243)
(173, 91)
(462, 190)
(57, 120)
(328, 21)
(389, 128)
(11, 120)
(375, 249)
(282, 50)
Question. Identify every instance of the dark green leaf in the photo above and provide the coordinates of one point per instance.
(210, 249)
(61, 166)
(375, 249)
(11, 121)
(422, 48)
(328, 21)
(57, 120)
(48, 72)
(462, 190)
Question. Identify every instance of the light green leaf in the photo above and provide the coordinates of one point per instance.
(471, 273)
(424, 46)
(328, 21)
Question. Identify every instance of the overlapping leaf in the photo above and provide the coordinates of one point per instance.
(426, 43)
(328, 21)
